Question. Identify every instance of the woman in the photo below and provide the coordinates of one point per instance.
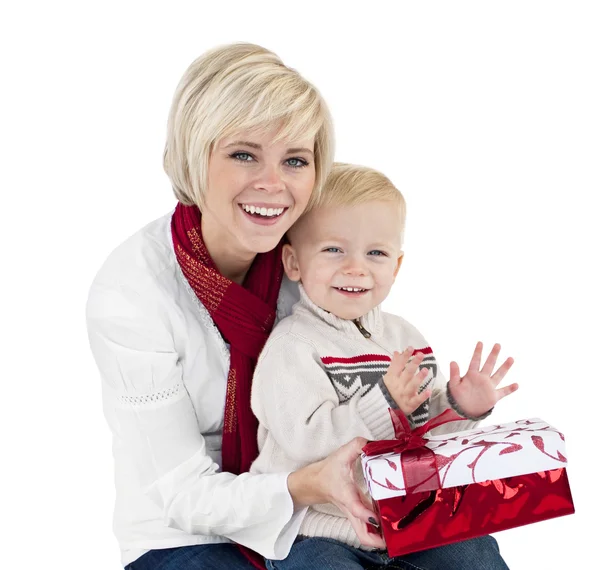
(179, 312)
(248, 141)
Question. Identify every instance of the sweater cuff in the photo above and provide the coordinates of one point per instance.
(386, 394)
(454, 405)
(374, 410)
(392, 404)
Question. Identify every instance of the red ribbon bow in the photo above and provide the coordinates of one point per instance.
(418, 462)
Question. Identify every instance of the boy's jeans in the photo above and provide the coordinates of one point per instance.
(324, 553)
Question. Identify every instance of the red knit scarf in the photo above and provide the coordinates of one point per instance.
(244, 316)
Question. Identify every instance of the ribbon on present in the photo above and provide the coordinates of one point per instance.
(418, 462)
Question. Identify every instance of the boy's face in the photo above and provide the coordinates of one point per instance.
(346, 257)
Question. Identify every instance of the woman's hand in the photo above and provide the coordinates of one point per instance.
(332, 481)
(403, 379)
(476, 392)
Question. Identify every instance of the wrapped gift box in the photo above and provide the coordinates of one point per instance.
(466, 484)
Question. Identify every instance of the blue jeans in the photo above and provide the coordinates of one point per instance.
(197, 557)
(328, 554)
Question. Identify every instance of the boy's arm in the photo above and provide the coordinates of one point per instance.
(294, 400)
(439, 402)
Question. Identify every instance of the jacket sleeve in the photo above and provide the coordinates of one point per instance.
(156, 433)
(298, 407)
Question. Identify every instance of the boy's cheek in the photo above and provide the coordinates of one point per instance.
(321, 274)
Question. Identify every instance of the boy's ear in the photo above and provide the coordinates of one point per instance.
(399, 264)
(290, 262)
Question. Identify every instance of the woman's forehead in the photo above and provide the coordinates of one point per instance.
(263, 139)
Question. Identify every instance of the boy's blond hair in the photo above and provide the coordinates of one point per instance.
(235, 88)
(351, 185)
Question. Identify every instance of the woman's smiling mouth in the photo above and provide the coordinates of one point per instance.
(263, 214)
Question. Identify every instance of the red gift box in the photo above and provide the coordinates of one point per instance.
(442, 489)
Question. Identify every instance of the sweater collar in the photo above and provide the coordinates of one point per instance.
(371, 322)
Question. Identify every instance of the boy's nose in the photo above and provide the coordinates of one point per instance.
(354, 267)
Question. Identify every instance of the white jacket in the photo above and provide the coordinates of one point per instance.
(164, 367)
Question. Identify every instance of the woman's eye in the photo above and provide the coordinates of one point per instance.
(242, 156)
(332, 250)
(378, 252)
(297, 162)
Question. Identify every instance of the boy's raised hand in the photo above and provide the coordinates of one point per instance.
(403, 379)
(476, 392)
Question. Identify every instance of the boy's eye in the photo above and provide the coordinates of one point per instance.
(378, 252)
(242, 156)
(332, 250)
(297, 162)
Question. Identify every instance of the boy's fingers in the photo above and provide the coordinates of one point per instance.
(405, 356)
(418, 378)
(411, 367)
(420, 398)
(396, 365)
(503, 392)
(454, 374)
(501, 372)
(399, 360)
(490, 362)
(476, 360)
(425, 395)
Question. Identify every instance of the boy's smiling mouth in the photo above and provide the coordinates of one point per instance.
(352, 291)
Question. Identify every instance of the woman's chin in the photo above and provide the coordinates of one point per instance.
(262, 244)
(260, 238)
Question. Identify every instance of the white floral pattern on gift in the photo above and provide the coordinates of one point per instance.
(467, 449)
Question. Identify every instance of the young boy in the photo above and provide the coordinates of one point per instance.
(330, 371)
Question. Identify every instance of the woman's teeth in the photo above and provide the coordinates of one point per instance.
(267, 212)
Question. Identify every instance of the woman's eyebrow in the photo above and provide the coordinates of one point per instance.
(259, 147)
(299, 149)
(245, 143)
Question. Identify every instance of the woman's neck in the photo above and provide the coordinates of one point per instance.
(230, 261)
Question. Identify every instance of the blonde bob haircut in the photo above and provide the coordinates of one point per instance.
(235, 88)
(352, 185)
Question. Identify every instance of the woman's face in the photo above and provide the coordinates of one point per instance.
(256, 190)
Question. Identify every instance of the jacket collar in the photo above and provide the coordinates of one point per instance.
(372, 322)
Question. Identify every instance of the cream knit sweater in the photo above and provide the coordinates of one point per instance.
(318, 384)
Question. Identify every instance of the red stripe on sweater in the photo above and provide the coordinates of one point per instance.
(355, 359)
(366, 357)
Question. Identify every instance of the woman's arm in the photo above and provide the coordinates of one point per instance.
(157, 438)
(332, 481)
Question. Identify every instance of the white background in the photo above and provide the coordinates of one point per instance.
(485, 115)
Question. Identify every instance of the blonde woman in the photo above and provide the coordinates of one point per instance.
(179, 312)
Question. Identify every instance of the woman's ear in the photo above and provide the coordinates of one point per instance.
(400, 258)
(290, 262)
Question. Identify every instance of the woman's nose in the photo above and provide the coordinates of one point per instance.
(270, 179)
